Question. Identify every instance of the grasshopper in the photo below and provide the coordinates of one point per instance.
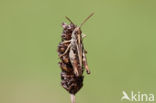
(77, 53)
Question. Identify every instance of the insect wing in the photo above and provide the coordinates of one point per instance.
(79, 49)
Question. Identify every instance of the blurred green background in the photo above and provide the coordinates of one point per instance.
(121, 45)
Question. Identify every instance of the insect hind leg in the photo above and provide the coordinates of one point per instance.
(85, 62)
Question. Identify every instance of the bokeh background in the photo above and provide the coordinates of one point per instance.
(121, 45)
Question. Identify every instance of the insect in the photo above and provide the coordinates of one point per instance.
(77, 53)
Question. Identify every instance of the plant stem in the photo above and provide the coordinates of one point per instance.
(72, 98)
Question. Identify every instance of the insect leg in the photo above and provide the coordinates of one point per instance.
(74, 62)
(83, 35)
(66, 50)
(67, 41)
(75, 66)
(85, 51)
(85, 62)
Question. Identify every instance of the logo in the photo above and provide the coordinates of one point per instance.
(138, 96)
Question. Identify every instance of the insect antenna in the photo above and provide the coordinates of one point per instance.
(86, 19)
(69, 20)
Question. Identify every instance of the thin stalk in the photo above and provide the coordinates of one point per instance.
(72, 96)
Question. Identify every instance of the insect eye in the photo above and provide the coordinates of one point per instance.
(78, 32)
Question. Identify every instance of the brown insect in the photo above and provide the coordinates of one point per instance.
(73, 57)
(76, 49)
